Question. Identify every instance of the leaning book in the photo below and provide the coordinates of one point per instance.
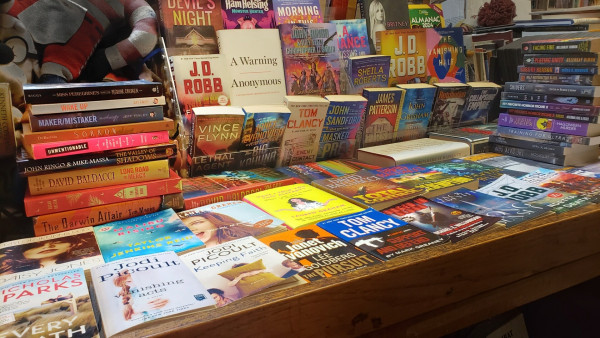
(53, 305)
(147, 288)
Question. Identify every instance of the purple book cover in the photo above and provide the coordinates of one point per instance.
(297, 11)
(247, 14)
(553, 107)
(543, 124)
(369, 71)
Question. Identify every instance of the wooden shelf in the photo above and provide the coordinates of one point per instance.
(567, 10)
(427, 293)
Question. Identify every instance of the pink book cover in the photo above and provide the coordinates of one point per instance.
(72, 147)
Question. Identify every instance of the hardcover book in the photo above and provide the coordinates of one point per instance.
(222, 222)
(408, 51)
(520, 106)
(565, 60)
(514, 166)
(416, 111)
(215, 130)
(148, 288)
(448, 105)
(314, 253)
(368, 71)
(311, 58)
(480, 100)
(264, 126)
(367, 190)
(562, 45)
(7, 137)
(486, 174)
(545, 98)
(173, 14)
(297, 11)
(57, 304)
(553, 89)
(426, 16)
(440, 219)
(547, 136)
(256, 73)
(578, 80)
(156, 232)
(381, 235)
(382, 115)
(238, 268)
(478, 140)
(571, 159)
(352, 42)
(301, 137)
(541, 146)
(247, 14)
(301, 204)
(35, 257)
(557, 70)
(85, 106)
(341, 126)
(445, 55)
(200, 80)
(549, 125)
(384, 15)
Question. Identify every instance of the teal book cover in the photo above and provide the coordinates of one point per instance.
(416, 111)
(152, 233)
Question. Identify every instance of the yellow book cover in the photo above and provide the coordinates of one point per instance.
(98, 177)
(301, 204)
(408, 51)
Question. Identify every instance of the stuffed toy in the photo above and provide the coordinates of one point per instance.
(84, 40)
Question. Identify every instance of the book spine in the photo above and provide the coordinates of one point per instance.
(542, 135)
(71, 200)
(581, 101)
(567, 60)
(539, 88)
(7, 128)
(235, 193)
(558, 70)
(554, 107)
(97, 177)
(80, 106)
(578, 80)
(528, 154)
(535, 123)
(102, 214)
(552, 47)
(554, 148)
(92, 132)
(553, 115)
(95, 118)
(30, 167)
(73, 147)
(58, 94)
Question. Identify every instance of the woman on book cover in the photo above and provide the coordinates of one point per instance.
(47, 253)
(376, 18)
(219, 296)
(127, 293)
(214, 228)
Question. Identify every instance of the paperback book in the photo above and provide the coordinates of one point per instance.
(547, 136)
(247, 15)
(416, 111)
(341, 126)
(480, 100)
(381, 235)
(408, 51)
(368, 71)
(553, 89)
(565, 182)
(214, 130)
(486, 174)
(549, 125)
(264, 126)
(565, 60)
(382, 115)
(520, 105)
(549, 98)
(352, 42)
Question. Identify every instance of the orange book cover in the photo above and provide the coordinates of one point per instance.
(74, 219)
(408, 51)
(98, 177)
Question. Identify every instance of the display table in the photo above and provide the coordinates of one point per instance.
(428, 293)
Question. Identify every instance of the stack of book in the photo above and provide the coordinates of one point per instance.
(96, 153)
(551, 114)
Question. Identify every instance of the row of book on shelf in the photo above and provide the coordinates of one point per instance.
(166, 264)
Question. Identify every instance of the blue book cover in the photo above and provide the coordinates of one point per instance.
(464, 168)
(416, 111)
(341, 125)
(352, 41)
(152, 233)
(381, 235)
(264, 129)
(480, 99)
(368, 71)
(512, 212)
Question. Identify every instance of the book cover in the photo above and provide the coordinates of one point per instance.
(77, 199)
(547, 136)
(512, 212)
(301, 204)
(97, 177)
(7, 126)
(562, 45)
(381, 115)
(237, 269)
(549, 125)
(565, 182)
(553, 89)
(200, 80)
(557, 70)
(221, 222)
(522, 105)
(480, 100)
(311, 58)
(305, 173)
(515, 166)
(256, 74)
(565, 60)
(235, 178)
(35, 257)
(186, 14)
(416, 111)
(381, 235)
(384, 15)
(301, 137)
(317, 254)
(241, 14)
(137, 290)
(215, 130)
(448, 105)
(408, 51)
(368, 71)
(297, 11)
(578, 80)
(352, 42)
(85, 106)
(440, 219)
(426, 16)
(512, 188)
(152, 233)
(486, 174)
(445, 55)
(57, 304)
(341, 126)
(192, 40)
(264, 126)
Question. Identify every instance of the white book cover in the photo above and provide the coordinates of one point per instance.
(515, 189)
(301, 138)
(136, 290)
(52, 305)
(238, 268)
(255, 65)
